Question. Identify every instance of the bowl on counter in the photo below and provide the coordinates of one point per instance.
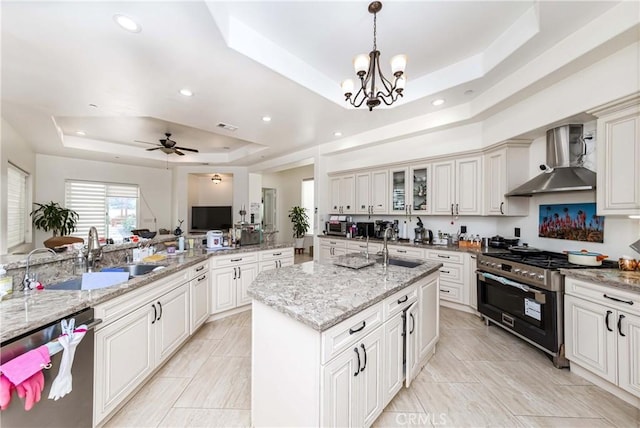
(628, 264)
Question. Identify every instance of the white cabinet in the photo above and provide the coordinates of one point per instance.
(360, 246)
(412, 332)
(199, 289)
(618, 152)
(454, 280)
(399, 187)
(457, 186)
(172, 326)
(505, 169)
(602, 334)
(230, 279)
(371, 192)
(405, 251)
(275, 259)
(420, 190)
(429, 317)
(332, 247)
(343, 194)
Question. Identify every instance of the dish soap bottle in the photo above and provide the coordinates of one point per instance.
(6, 283)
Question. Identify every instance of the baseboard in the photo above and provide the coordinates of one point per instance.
(225, 314)
(459, 307)
(606, 385)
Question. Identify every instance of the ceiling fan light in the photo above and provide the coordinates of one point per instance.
(216, 179)
(361, 64)
(398, 64)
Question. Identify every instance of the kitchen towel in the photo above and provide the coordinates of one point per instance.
(62, 384)
(26, 365)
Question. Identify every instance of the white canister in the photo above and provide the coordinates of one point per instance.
(214, 239)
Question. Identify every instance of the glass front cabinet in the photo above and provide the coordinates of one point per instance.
(399, 184)
(420, 190)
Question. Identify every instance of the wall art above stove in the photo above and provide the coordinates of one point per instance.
(575, 222)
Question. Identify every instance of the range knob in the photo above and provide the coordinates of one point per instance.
(492, 264)
(524, 272)
(516, 271)
(541, 277)
(532, 274)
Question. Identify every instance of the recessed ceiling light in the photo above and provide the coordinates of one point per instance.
(634, 216)
(438, 102)
(337, 134)
(266, 118)
(468, 92)
(81, 133)
(93, 105)
(127, 23)
(226, 148)
(186, 92)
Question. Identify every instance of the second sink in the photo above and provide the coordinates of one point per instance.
(401, 262)
(133, 270)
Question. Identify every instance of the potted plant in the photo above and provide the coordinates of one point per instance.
(59, 220)
(300, 221)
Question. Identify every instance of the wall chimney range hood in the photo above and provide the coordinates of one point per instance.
(563, 171)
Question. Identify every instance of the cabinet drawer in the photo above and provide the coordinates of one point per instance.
(451, 273)
(279, 253)
(233, 260)
(338, 243)
(394, 304)
(445, 256)
(596, 293)
(197, 270)
(362, 246)
(450, 292)
(349, 331)
(417, 253)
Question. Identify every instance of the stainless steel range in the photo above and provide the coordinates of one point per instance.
(523, 293)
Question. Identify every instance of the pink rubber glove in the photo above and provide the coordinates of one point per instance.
(6, 388)
(31, 390)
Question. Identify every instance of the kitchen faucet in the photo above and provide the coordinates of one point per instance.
(385, 249)
(94, 249)
(26, 282)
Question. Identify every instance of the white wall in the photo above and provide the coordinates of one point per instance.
(154, 183)
(15, 149)
(201, 191)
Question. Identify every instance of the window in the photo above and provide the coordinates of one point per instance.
(111, 208)
(307, 202)
(16, 206)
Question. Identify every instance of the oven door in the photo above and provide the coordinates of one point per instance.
(525, 310)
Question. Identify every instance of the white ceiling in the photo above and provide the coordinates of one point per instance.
(244, 60)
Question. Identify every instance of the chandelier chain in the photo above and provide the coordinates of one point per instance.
(375, 45)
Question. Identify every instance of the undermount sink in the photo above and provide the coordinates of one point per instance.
(95, 281)
(401, 262)
(133, 270)
(70, 284)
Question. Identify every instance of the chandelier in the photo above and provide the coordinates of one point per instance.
(367, 68)
(216, 179)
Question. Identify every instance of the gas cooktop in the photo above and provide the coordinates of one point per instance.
(547, 260)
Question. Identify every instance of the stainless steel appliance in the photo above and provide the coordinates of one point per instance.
(338, 227)
(74, 409)
(250, 233)
(365, 229)
(523, 293)
(380, 227)
(422, 235)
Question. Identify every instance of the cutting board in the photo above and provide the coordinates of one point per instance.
(96, 280)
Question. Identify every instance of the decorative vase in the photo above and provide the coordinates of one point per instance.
(299, 243)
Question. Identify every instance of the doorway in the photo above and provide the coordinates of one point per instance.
(269, 209)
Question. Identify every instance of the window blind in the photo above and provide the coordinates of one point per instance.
(16, 205)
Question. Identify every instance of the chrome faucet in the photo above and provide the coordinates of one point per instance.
(26, 282)
(385, 249)
(94, 249)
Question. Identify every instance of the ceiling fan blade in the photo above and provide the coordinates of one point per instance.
(153, 148)
(178, 152)
(186, 149)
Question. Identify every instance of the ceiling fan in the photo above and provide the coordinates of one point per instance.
(168, 146)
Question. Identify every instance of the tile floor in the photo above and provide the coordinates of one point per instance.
(480, 376)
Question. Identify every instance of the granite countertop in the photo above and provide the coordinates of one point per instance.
(321, 295)
(425, 246)
(628, 281)
(23, 312)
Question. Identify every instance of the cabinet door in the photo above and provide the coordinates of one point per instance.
(393, 371)
(495, 182)
(339, 384)
(124, 358)
(590, 336)
(325, 252)
(223, 286)
(246, 275)
(380, 191)
(468, 189)
(172, 325)
(618, 178)
(629, 353)
(443, 188)
(429, 331)
(363, 193)
(199, 301)
(412, 329)
(420, 190)
(348, 194)
(334, 197)
(371, 376)
(398, 182)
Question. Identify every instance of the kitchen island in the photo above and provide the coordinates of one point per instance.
(333, 345)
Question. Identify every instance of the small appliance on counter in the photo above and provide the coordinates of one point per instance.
(365, 229)
(422, 235)
(338, 225)
(250, 233)
(214, 239)
(380, 227)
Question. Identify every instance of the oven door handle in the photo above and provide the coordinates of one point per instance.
(505, 281)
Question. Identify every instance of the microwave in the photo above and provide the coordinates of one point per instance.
(338, 228)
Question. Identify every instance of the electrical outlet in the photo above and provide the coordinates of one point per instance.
(516, 232)
(463, 229)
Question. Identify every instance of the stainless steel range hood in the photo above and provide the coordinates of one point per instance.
(564, 171)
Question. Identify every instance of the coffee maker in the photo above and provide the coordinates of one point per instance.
(380, 227)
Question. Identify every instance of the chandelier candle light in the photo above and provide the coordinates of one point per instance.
(367, 68)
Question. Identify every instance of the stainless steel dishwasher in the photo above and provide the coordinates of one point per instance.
(74, 409)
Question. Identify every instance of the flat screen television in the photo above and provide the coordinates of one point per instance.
(211, 218)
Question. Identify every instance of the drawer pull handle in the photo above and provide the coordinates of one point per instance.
(277, 254)
(445, 291)
(606, 320)
(444, 257)
(199, 269)
(236, 260)
(351, 330)
(413, 324)
(202, 278)
(444, 271)
(358, 354)
(403, 299)
(401, 251)
(620, 318)
(160, 306)
(365, 357)
(239, 272)
(628, 302)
